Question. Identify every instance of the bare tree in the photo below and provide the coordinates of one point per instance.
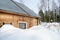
(48, 10)
(54, 6)
(59, 6)
(43, 4)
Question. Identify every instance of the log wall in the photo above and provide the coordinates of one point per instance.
(15, 19)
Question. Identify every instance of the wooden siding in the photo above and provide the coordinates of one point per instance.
(15, 19)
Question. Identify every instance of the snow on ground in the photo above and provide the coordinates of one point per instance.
(40, 32)
(48, 30)
(6, 27)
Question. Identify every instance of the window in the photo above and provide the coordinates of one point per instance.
(22, 25)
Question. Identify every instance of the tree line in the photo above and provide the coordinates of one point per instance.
(49, 16)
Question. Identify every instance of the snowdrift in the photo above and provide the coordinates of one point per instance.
(54, 26)
(9, 32)
(7, 27)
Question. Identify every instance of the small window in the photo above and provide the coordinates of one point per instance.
(22, 25)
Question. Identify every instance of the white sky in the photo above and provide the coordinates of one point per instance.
(33, 4)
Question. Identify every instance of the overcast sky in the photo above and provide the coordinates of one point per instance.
(33, 4)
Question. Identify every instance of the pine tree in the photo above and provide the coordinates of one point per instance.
(46, 16)
(41, 15)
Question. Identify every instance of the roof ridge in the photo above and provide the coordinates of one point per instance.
(20, 7)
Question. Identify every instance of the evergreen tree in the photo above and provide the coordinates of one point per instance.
(41, 15)
(58, 18)
(46, 16)
(51, 13)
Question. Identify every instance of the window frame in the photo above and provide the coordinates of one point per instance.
(22, 22)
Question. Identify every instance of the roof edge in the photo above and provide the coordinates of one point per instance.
(4, 11)
(20, 7)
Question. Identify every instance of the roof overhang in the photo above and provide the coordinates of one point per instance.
(16, 13)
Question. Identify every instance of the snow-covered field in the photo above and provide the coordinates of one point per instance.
(44, 31)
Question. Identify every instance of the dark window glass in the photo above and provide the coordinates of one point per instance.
(22, 25)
